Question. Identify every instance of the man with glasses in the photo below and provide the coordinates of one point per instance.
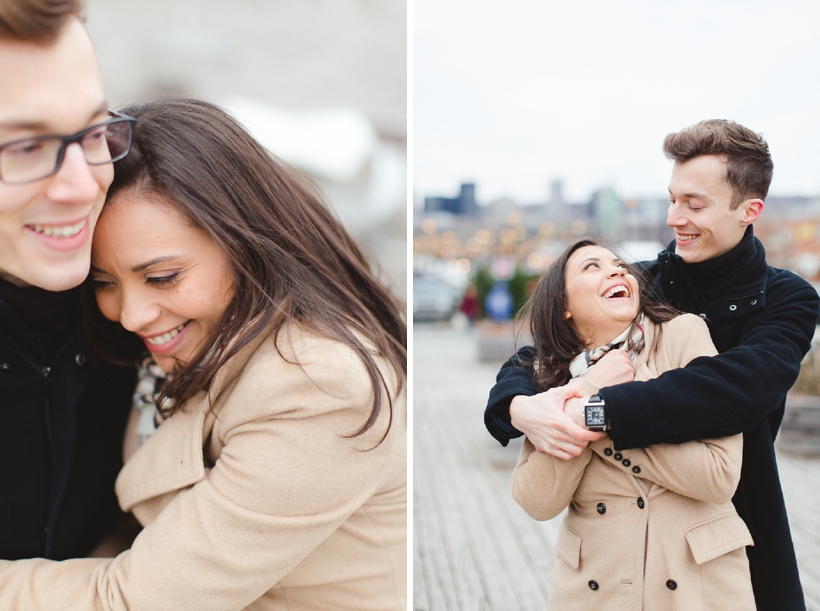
(62, 410)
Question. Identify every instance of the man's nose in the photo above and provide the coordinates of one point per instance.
(674, 217)
(74, 182)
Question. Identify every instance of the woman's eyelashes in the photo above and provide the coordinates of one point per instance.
(166, 280)
(100, 283)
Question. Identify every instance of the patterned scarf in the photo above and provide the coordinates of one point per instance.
(150, 380)
(632, 340)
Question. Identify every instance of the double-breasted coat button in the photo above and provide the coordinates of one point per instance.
(618, 456)
(702, 315)
(626, 462)
(608, 451)
(601, 508)
(640, 503)
(80, 359)
(732, 307)
(636, 469)
(754, 301)
(593, 585)
(671, 584)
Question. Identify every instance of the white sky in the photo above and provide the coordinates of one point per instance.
(513, 93)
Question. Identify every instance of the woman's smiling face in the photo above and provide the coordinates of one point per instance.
(159, 276)
(602, 297)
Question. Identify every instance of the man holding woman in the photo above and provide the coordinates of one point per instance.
(274, 476)
(761, 320)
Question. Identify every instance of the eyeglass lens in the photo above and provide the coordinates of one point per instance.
(35, 158)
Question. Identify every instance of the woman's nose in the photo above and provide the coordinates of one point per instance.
(137, 313)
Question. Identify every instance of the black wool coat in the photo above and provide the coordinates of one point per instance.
(62, 422)
(762, 327)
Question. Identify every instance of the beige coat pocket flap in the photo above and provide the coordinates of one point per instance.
(718, 536)
(568, 546)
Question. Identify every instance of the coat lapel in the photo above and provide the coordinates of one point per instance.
(169, 460)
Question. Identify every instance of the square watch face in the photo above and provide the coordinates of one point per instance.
(595, 415)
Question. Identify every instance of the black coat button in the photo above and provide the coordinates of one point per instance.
(618, 456)
(671, 584)
(640, 503)
(608, 451)
(593, 585)
(601, 508)
(636, 469)
(626, 462)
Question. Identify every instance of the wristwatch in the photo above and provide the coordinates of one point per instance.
(595, 414)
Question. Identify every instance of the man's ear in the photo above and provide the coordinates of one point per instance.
(751, 210)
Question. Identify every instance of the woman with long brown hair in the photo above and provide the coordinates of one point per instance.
(655, 528)
(269, 467)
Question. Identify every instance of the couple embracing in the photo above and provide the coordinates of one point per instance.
(652, 396)
(265, 453)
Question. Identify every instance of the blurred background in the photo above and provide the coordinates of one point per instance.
(321, 83)
(536, 123)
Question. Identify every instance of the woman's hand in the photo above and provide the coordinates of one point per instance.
(615, 367)
(542, 419)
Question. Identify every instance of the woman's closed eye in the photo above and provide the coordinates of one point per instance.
(100, 282)
(161, 281)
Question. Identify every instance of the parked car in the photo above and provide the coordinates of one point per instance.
(433, 299)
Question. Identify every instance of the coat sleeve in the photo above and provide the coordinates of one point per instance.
(514, 378)
(730, 393)
(708, 469)
(542, 484)
(286, 479)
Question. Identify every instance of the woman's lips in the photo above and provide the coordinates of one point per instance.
(165, 342)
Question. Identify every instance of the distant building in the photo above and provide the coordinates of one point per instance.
(463, 205)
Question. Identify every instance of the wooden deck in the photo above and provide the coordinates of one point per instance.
(474, 548)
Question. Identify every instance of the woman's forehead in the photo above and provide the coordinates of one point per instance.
(591, 252)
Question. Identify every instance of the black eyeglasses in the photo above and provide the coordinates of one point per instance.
(31, 159)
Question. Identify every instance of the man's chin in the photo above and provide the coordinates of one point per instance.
(56, 280)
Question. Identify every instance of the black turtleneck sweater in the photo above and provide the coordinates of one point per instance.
(62, 419)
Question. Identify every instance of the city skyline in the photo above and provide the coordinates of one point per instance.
(514, 96)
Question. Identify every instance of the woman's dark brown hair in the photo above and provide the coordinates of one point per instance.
(291, 259)
(556, 342)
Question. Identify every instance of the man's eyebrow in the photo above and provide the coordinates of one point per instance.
(693, 195)
(39, 125)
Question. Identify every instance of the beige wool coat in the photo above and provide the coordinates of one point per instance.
(649, 529)
(260, 503)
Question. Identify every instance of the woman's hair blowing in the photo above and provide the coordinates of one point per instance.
(290, 258)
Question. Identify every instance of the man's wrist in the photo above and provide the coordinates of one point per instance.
(595, 416)
(517, 405)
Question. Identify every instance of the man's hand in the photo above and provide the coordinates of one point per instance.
(542, 419)
(615, 367)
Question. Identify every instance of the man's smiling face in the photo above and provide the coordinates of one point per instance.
(700, 209)
(46, 225)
